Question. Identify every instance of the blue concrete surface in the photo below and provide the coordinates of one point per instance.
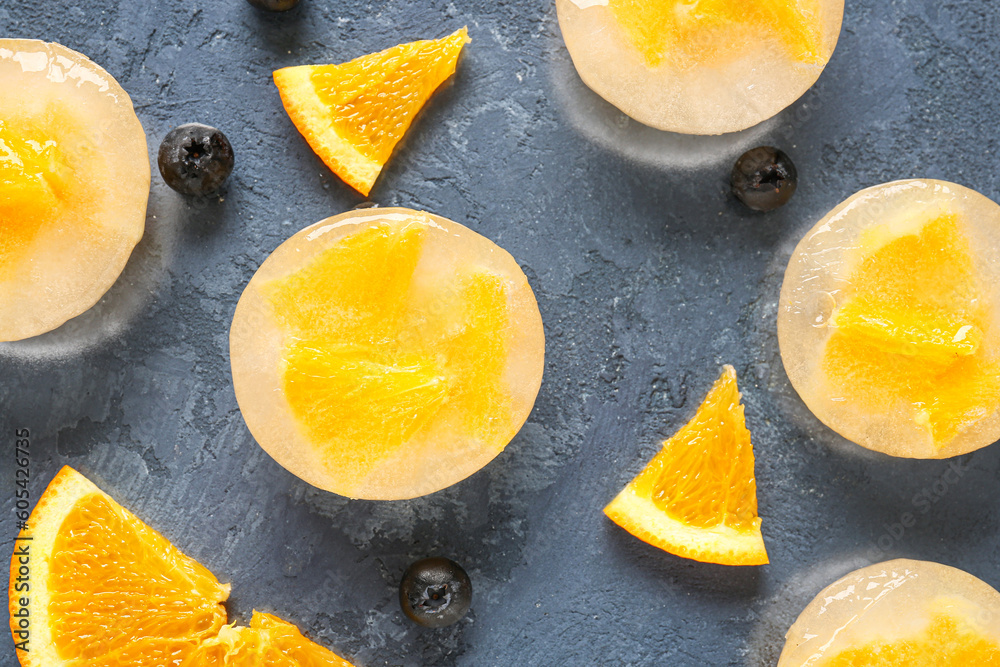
(649, 277)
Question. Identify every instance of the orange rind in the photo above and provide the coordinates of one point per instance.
(106, 589)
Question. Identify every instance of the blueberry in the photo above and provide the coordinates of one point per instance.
(274, 5)
(435, 592)
(195, 159)
(764, 178)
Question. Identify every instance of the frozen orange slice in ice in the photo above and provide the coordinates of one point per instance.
(697, 498)
(709, 31)
(888, 319)
(74, 181)
(700, 66)
(91, 584)
(354, 114)
(901, 613)
(386, 353)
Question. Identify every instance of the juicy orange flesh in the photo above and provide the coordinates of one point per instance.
(346, 393)
(686, 33)
(370, 362)
(118, 594)
(948, 641)
(910, 331)
(935, 335)
(355, 290)
(704, 475)
(477, 354)
(121, 594)
(268, 642)
(374, 98)
(32, 182)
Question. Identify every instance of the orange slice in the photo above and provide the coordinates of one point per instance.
(698, 497)
(268, 642)
(104, 589)
(354, 114)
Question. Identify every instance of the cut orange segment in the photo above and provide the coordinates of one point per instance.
(933, 337)
(354, 114)
(889, 319)
(362, 403)
(386, 354)
(355, 289)
(268, 642)
(107, 590)
(698, 497)
(901, 613)
(32, 174)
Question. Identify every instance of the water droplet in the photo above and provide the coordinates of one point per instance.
(821, 306)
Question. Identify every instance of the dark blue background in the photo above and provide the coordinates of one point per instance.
(649, 277)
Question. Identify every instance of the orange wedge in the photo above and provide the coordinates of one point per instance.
(698, 497)
(104, 589)
(268, 642)
(354, 114)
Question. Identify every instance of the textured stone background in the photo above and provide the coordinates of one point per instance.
(649, 278)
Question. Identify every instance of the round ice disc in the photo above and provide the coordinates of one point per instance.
(888, 319)
(386, 353)
(74, 182)
(905, 612)
(705, 67)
